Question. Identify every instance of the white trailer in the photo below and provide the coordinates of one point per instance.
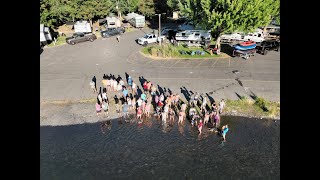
(82, 27)
(193, 35)
(45, 34)
(135, 20)
(256, 36)
(113, 22)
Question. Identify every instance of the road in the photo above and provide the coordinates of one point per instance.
(65, 71)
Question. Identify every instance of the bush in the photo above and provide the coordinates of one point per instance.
(153, 51)
(163, 51)
(260, 102)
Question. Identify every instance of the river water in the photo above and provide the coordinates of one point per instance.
(153, 150)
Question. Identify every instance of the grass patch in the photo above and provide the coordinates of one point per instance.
(168, 50)
(60, 40)
(258, 108)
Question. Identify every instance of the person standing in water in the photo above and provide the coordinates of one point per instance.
(171, 114)
(98, 109)
(148, 109)
(139, 113)
(105, 107)
(200, 125)
(224, 131)
(217, 119)
(181, 116)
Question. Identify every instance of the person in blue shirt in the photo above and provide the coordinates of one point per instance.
(125, 92)
(224, 131)
(143, 96)
(129, 81)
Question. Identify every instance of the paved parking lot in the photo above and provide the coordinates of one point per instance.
(67, 70)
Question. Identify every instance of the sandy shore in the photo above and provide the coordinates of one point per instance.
(62, 113)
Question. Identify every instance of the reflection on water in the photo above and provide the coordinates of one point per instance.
(157, 150)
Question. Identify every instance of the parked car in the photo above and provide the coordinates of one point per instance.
(266, 46)
(165, 30)
(112, 32)
(80, 37)
(150, 38)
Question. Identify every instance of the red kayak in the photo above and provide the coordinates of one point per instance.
(247, 43)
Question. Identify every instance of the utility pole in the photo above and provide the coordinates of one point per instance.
(117, 7)
(159, 33)
(159, 28)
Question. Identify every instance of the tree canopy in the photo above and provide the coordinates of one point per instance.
(231, 15)
(218, 15)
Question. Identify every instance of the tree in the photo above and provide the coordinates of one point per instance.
(132, 5)
(146, 7)
(57, 12)
(53, 12)
(173, 5)
(191, 9)
(237, 15)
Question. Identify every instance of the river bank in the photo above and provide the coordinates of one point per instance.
(62, 113)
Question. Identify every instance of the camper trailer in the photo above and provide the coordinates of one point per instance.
(112, 22)
(44, 35)
(194, 35)
(82, 27)
(256, 36)
(135, 20)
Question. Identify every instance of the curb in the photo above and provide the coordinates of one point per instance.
(224, 56)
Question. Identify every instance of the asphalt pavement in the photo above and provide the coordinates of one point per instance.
(66, 70)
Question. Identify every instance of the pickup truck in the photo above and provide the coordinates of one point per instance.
(80, 37)
(266, 46)
(150, 38)
(112, 32)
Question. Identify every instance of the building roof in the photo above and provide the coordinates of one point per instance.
(81, 23)
(132, 15)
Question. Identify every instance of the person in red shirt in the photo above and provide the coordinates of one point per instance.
(145, 87)
(160, 104)
(200, 125)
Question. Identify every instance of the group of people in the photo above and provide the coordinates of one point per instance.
(166, 104)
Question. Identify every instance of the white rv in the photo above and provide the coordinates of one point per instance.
(135, 20)
(256, 36)
(113, 22)
(44, 34)
(82, 27)
(193, 35)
